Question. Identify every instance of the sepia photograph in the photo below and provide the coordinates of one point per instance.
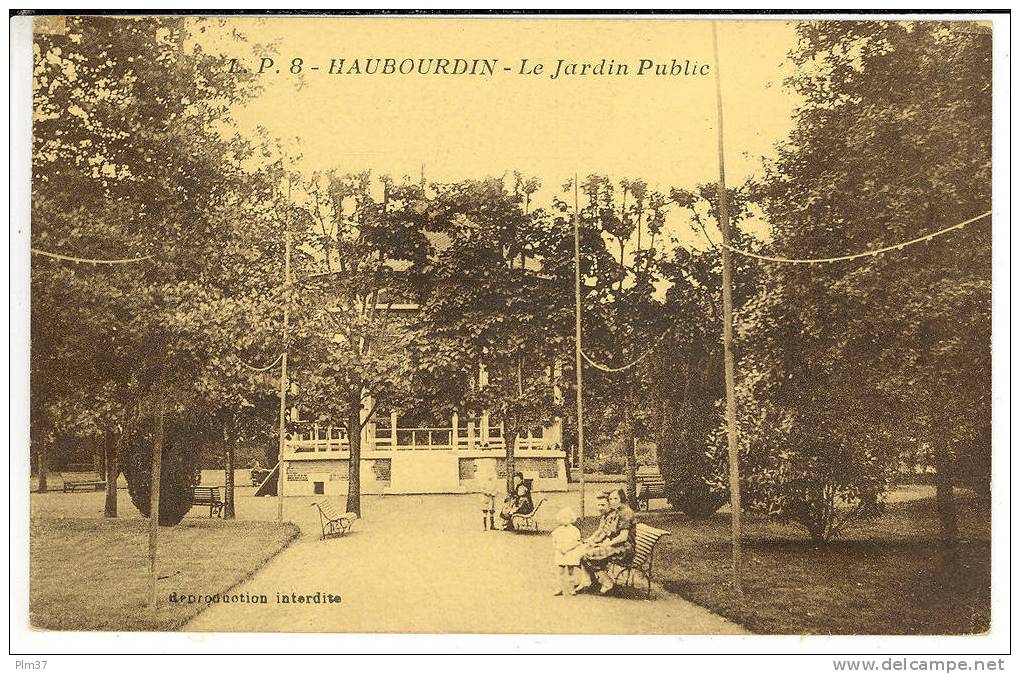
(510, 325)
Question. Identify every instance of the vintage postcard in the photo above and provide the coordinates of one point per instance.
(493, 324)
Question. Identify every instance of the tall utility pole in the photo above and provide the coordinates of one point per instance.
(577, 342)
(727, 280)
(283, 360)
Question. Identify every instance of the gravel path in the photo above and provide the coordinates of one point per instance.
(423, 564)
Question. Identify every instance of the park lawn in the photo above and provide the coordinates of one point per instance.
(879, 578)
(92, 574)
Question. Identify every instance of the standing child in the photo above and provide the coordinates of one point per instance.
(567, 541)
(490, 489)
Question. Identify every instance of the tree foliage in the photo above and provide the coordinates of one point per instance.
(847, 366)
(133, 155)
(365, 254)
(489, 306)
(687, 370)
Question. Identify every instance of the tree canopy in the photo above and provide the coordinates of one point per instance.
(848, 366)
(439, 298)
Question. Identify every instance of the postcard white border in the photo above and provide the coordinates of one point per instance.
(26, 641)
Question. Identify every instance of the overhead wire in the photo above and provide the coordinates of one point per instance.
(263, 368)
(841, 258)
(88, 260)
(607, 368)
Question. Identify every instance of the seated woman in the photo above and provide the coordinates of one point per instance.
(602, 530)
(613, 541)
(518, 502)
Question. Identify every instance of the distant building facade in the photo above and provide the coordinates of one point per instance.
(456, 455)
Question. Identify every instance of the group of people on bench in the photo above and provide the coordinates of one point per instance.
(517, 503)
(582, 562)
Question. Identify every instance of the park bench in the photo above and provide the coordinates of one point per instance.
(527, 522)
(645, 540)
(209, 496)
(73, 484)
(649, 487)
(332, 522)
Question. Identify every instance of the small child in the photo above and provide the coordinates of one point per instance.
(490, 489)
(567, 541)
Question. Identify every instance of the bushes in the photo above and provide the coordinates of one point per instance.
(614, 462)
(610, 465)
(823, 506)
(686, 463)
(974, 462)
(799, 465)
(179, 469)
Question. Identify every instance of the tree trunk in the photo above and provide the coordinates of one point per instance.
(630, 449)
(631, 469)
(157, 466)
(99, 455)
(228, 477)
(354, 465)
(511, 430)
(97, 462)
(945, 506)
(112, 446)
(510, 441)
(569, 449)
(42, 467)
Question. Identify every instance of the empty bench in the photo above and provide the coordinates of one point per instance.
(208, 496)
(333, 523)
(74, 485)
(645, 540)
(650, 487)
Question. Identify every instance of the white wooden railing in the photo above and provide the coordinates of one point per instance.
(381, 438)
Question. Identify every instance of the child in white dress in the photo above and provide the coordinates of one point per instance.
(567, 542)
(490, 489)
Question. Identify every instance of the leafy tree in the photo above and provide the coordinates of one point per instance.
(687, 375)
(625, 318)
(488, 306)
(246, 324)
(132, 157)
(364, 255)
(850, 364)
(178, 468)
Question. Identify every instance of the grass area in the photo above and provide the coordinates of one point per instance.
(92, 574)
(882, 577)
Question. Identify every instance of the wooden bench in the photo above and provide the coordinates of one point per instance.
(84, 485)
(527, 522)
(649, 487)
(210, 496)
(333, 523)
(645, 540)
